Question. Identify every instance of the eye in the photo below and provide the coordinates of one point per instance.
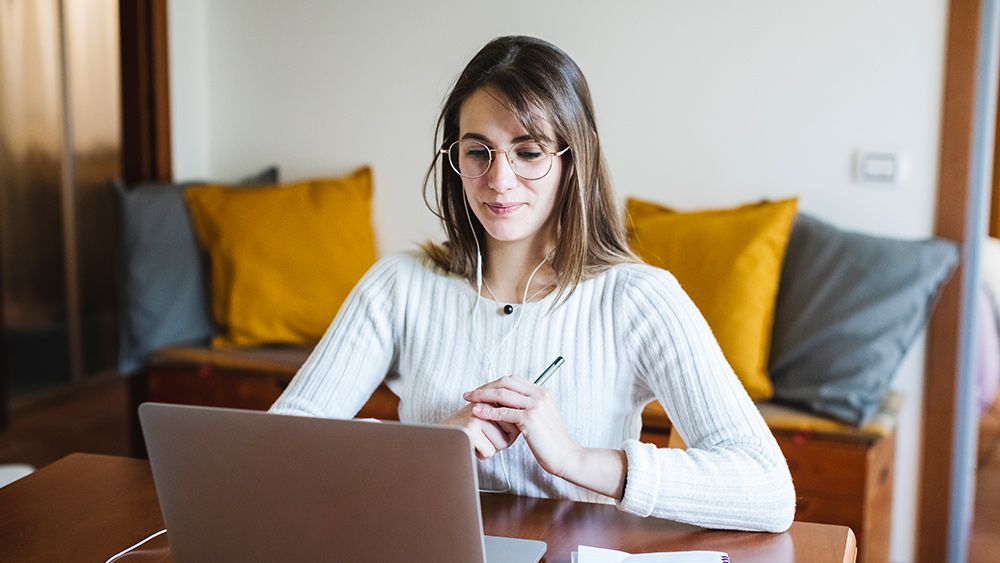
(529, 151)
(478, 153)
(474, 150)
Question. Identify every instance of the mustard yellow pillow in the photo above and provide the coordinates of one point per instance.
(729, 262)
(283, 257)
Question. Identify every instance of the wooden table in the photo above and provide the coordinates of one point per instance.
(88, 507)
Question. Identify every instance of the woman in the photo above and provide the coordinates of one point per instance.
(536, 266)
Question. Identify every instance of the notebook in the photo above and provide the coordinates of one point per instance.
(587, 554)
(249, 486)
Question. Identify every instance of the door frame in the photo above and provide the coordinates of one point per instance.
(946, 434)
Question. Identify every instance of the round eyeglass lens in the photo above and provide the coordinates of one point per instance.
(471, 159)
(529, 160)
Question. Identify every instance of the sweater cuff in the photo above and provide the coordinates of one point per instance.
(294, 407)
(642, 478)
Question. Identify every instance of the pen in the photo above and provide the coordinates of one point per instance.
(545, 375)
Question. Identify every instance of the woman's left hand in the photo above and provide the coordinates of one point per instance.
(533, 409)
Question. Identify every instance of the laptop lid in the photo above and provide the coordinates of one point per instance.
(245, 486)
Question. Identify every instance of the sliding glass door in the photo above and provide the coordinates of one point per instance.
(59, 144)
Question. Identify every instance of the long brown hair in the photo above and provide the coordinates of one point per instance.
(540, 83)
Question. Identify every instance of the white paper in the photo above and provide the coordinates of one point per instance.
(587, 554)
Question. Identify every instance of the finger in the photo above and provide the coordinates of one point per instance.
(484, 448)
(498, 414)
(498, 438)
(519, 384)
(500, 396)
(485, 385)
(511, 429)
(514, 382)
(499, 382)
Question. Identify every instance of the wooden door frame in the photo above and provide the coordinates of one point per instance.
(146, 156)
(145, 86)
(939, 446)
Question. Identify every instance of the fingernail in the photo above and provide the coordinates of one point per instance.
(466, 394)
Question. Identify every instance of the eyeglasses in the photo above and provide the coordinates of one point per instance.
(528, 159)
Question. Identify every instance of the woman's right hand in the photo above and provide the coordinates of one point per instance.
(487, 437)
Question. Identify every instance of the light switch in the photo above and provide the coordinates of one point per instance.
(877, 167)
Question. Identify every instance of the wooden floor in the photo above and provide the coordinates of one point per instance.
(984, 542)
(95, 421)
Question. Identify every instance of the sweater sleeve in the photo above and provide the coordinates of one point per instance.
(356, 352)
(733, 474)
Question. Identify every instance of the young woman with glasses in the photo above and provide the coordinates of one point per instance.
(535, 266)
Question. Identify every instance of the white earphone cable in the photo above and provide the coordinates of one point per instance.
(475, 331)
(118, 555)
(494, 296)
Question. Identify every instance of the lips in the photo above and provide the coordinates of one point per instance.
(504, 208)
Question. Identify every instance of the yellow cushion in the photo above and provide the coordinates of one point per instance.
(729, 262)
(283, 257)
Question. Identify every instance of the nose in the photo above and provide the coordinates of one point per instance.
(501, 175)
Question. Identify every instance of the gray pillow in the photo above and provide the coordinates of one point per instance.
(164, 295)
(849, 306)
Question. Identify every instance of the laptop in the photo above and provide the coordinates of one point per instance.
(247, 486)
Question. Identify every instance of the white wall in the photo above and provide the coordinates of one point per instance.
(188, 60)
(699, 104)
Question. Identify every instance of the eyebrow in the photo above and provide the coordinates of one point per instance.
(485, 140)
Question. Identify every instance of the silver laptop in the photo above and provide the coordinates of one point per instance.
(250, 486)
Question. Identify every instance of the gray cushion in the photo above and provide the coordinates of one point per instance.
(164, 295)
(849, 306)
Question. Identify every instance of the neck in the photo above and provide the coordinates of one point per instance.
(508, 265)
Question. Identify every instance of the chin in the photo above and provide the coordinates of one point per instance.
(507, 235)
(505, 229)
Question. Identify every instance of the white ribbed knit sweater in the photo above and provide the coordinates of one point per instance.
(629, 336)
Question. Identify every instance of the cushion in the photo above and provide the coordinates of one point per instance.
(986, 365)
(989, 266)
(729, 262)
(284, 257)
(163, 290)
(986, 350)
(849, 307)
(782, 419)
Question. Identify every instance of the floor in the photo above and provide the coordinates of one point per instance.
(94, 420)
(985, 538)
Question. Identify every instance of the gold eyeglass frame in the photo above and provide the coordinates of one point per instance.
(513, 167)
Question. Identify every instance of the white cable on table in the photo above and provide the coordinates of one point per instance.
(116, 556)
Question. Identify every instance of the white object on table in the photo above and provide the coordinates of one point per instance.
(587, 554)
